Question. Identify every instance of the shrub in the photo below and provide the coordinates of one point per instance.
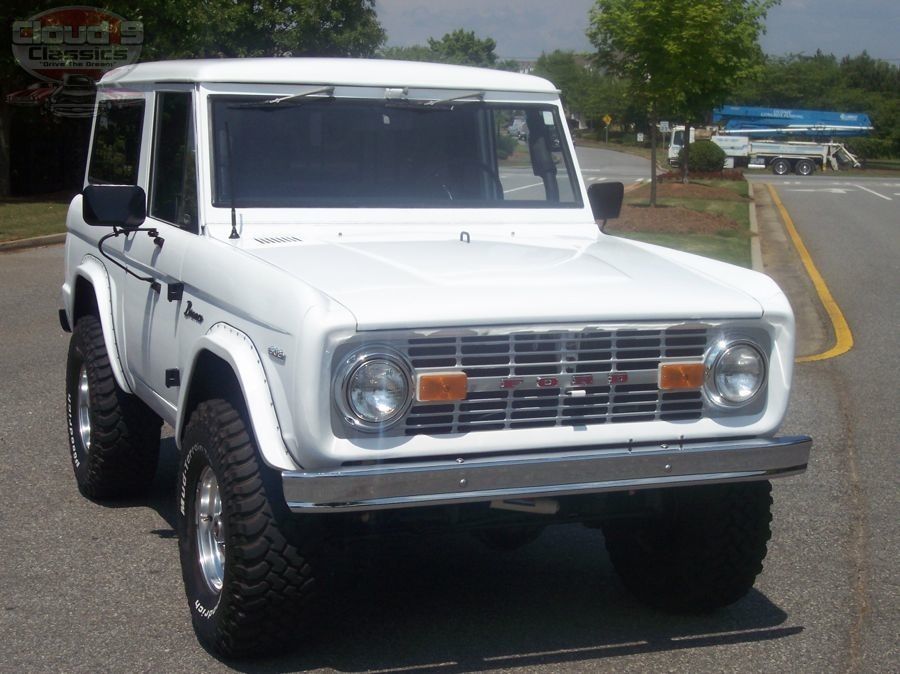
(705, 156)
(506, 145)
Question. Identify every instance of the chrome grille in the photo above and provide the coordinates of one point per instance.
(568, 378)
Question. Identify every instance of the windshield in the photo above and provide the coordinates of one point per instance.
(338, 153)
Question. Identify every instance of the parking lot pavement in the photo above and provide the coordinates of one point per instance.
(88, 587)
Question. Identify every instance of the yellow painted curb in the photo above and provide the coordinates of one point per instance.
(843, 336)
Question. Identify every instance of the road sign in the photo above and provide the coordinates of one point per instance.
(664, 127)
(607, 119)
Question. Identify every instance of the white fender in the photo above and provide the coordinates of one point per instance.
(92, 270)
(235, 348)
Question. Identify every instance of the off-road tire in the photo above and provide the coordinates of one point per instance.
(123, 439)
(267, 583)
(701, 553)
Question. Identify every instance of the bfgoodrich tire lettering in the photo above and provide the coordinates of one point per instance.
(266, 583)
(113, 436)
(702, 552)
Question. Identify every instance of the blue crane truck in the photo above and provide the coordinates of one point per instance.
(785, 140)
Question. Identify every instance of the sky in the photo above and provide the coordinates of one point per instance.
(525, 28)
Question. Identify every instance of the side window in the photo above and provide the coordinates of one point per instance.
(530, 156)
(117, 143)
(173, 183)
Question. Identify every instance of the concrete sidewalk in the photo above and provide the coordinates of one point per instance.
(34, 242)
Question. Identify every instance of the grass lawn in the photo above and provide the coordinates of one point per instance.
(705, 217)
(24, 218)
(732, 248)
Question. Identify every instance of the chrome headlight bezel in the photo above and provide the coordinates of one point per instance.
(343, 381)
(714, 358)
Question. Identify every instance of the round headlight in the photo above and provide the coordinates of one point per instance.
(377, 390)
(738, 374)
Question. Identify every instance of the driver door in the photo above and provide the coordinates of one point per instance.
(154, 315)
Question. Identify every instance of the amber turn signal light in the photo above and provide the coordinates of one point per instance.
(673, 376)
(442, 386)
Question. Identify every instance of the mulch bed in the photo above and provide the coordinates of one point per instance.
(689, 191)
(669, 219)
(675, 219)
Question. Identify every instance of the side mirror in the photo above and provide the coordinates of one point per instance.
(606, 200)
(122, 206)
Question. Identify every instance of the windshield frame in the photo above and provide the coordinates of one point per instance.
(568, 172)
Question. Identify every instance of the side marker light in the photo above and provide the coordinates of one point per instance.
(442, 386)
(675, 376)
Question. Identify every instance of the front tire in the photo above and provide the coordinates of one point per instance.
(702, 552)
(245, 579)
(113, 435)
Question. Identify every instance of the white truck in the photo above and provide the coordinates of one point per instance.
(358, 319)
(781, 156)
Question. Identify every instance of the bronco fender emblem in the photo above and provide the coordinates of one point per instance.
(190, 313)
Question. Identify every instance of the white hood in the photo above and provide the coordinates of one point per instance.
(438, 283)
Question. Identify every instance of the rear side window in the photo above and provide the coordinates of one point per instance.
(174, 179)
(117, 143)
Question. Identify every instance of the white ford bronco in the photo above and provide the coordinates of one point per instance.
(372, 296)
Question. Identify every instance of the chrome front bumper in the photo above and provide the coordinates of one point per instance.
(559, 473)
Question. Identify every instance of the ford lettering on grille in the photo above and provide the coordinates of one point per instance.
(530, 378)
(563, 381)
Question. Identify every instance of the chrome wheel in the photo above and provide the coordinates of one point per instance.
(781, 167)
(805, 167)
(210, 530)
(84, 409)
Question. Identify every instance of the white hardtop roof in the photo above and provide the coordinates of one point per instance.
(328, 71)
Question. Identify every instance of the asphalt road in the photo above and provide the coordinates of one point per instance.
(596, 165)
(852, 230)
(88, 587)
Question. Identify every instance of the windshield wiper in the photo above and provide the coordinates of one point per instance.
(327, 91)
(460, 98)
(435, 104)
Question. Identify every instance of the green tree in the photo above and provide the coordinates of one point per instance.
(460, 47)
(416, 52)
(794, 81)
(224, 28)
(853, 84)
(566, 72)
(678, 57)
(584, 89)
(464, 47)
(212, 28)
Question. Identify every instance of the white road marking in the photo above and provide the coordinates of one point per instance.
(525, 187)
(832, 190)
(881, 196)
